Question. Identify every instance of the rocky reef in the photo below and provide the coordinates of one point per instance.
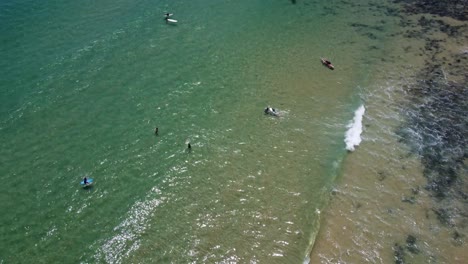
(456, 9)
(436, 126)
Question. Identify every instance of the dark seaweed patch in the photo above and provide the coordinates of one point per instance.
(381, 175)
(329, 11)
(365, 30)
(457, 238)
(411, 244)
(456, 9)
(437, 126)
(437, 129)
(444, 216)
(456, 235)
(431, 25)
(370, 35)
(389, 11)
(399, 254)
(364, 26)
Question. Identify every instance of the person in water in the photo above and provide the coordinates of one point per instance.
(189, 146)
(85, 180)
(167, 16)
(156, 131)
(270, 110)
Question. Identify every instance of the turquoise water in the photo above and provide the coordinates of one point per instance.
(84, 84)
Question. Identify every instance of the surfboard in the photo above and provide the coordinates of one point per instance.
(89, 182)
(171, 20)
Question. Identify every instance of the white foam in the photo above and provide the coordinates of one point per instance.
(353, 135)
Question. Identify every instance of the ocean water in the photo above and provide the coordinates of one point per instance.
(84, 84)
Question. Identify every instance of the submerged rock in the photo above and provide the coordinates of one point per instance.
(399, 254)
(410, 200)
(444, 216)
(411, 244)
(458, 239)
(382, 175)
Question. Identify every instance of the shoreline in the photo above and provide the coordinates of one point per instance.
(416, 212)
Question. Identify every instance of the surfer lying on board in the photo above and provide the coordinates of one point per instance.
(327, 63)
(85, 180)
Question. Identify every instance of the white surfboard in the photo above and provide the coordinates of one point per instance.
(170, 20)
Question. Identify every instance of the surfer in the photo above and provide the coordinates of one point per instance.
(270, 111)
(156, 131)
(167, 17)
(85, 180)
(327, 63)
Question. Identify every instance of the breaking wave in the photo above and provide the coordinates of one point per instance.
(353, 134)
